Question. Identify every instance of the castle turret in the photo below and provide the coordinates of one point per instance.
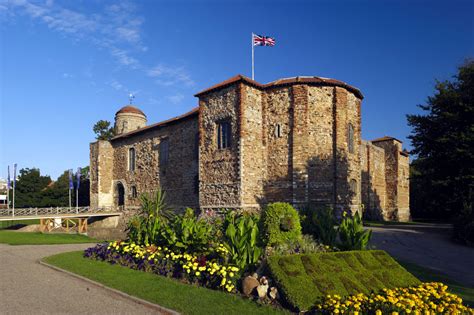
(129, 118)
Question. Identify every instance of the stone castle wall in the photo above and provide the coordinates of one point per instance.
(178, 177)
(101, 174)
(219, 170)
(289, 142)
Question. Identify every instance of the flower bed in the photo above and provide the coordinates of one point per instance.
(209, 271)
(427, 298)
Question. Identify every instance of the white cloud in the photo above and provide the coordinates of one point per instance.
(116, 29)
(175, 99)
(167, 76)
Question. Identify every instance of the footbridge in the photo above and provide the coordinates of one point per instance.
(58, 218)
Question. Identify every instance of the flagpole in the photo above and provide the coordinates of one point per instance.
(8, 189)
(14, 185)
(253, 55)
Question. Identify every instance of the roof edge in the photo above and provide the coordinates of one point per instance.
(164, 123)
(318, 81)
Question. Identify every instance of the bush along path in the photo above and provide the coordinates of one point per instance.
(276, 259)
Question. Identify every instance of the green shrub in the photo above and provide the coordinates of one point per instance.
(281, 224)
(305, 279)
(154, 212)
(242, 239)
(305, 245)
(463, 228)
(320, 223)
(186, 233)
(352, 235)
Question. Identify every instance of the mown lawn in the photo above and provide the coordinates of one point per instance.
(35, 238)
(169, 293)
(429, 275)
(10, 223)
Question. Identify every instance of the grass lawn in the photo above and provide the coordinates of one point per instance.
(7, 224)
(169, 293)
(429, 275)
(35, 238)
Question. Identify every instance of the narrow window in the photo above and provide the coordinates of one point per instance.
(134, 192)
(164, 151)
(131, 159)
(196, 146)
(278, 131)
(223, 134)
(353, 188)
(350, 138)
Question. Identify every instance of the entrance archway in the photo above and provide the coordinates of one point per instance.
(120, 195)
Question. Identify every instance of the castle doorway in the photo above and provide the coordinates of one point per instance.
(120, 195)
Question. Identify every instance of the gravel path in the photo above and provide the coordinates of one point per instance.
(26, 287)
(429, 246)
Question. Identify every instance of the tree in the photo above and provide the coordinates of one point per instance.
(103, 130)
(29, 188)
(442, 175)
(57, 194)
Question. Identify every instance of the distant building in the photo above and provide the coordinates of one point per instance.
(3, 193)
(296, 140)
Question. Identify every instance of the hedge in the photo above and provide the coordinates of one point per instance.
(305, 279)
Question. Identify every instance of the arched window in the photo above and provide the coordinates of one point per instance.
(131, 159)
(134, 192)
(350, 138)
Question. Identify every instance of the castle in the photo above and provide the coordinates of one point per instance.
(296, 140)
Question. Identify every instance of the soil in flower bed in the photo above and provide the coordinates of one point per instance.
(170, 293)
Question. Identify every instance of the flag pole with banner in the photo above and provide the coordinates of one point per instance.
(78, 178)
(71, 187)
(14, 185)
(8, 188)
(259, 40)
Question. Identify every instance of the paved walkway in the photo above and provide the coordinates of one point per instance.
(26, 287)
(429, 246)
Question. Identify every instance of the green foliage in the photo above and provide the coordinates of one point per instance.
(242, 239)
(352, 235)
(187, 233)
(36, 190)
(305, 245)
(305, 279)
(281, 223)
(442, 175)
(154, 213)
(103, 130)
(320, 223)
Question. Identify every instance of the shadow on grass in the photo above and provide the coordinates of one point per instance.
(429, 275)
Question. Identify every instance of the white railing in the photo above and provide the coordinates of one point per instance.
(28, 212)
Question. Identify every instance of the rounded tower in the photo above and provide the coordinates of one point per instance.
(129, 118)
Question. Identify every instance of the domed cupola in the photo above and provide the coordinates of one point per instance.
(129, 118)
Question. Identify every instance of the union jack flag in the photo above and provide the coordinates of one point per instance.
(259, 40)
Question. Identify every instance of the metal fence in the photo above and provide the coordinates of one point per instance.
(28, 212)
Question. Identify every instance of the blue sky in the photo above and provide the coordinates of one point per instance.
(67, 64)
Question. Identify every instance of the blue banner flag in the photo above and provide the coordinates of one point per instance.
(8, 178)
(14, 176)
(78, 177)
(71, 182)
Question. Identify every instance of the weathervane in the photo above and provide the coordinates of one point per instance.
(130, 98)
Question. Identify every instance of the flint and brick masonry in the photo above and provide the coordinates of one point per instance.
(295, 140)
